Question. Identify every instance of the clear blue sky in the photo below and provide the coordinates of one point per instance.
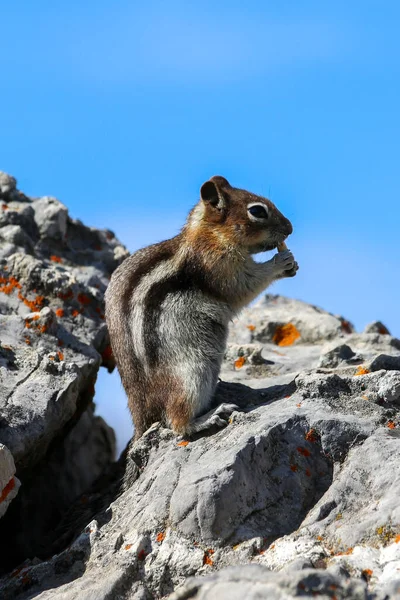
(122, 109)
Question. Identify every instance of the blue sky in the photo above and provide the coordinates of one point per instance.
(123, 109)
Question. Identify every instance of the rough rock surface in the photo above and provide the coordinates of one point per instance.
(297, 496)
(9, 484)
(53, 339)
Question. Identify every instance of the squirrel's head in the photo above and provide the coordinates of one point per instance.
(238, 217)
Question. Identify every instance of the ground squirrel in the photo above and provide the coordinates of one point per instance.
(168, 306)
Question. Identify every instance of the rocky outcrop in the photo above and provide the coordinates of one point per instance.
(297, 496)
(53, 339)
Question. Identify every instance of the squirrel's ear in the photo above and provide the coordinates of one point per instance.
(211, 196)
(209, 193)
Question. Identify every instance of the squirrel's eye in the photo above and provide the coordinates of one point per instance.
(258, 211)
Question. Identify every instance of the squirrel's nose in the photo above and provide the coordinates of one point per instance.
(288, 227)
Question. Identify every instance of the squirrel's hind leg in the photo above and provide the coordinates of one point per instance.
(180, 413)
(218, 416)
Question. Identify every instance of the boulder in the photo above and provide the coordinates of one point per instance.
(53, 339)
(297, 496)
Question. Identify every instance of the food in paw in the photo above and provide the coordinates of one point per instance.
(282, 247)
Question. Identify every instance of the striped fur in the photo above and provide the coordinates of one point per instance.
(168, 306)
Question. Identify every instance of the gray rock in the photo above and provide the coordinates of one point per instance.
(9, 484)
(73, 462)
(383, 361)
(254, 582)
(51, 217)
(53, 339)
(289, 484)
(7, 183)
(338, 355)
(297, 496)
(377, 327)
(262, 321)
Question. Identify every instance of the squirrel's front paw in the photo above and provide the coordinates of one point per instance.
(292, 272)
(285, 264)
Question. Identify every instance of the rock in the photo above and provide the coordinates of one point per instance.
(53, 338)
(69, 467)
(253, 582)
(9, 484)
(51, 217)
(339, 354)
(297, 496)
(7, 184)
(377, 327)
(247, 357)
(271, 489)
(389, 363)
(308, 323)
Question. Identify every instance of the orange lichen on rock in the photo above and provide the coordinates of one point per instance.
(183, 443)
(346, 326)
(391, 425)
(7, 489)
(303, 451)
(83, 299)
(60, 312)
(239, 362)
(107, 353)
(34, 305)
(286, 335)
(251, 327)
(75, 313)
(361, 371)
(9, 284)
(345, 552)
(66, 296)
(397, 539)
(206, 558)
(160, 537)
(60, 355)
(367, 573)
(33, 322)
(311, 436)
(128, 547)
(56, 259)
